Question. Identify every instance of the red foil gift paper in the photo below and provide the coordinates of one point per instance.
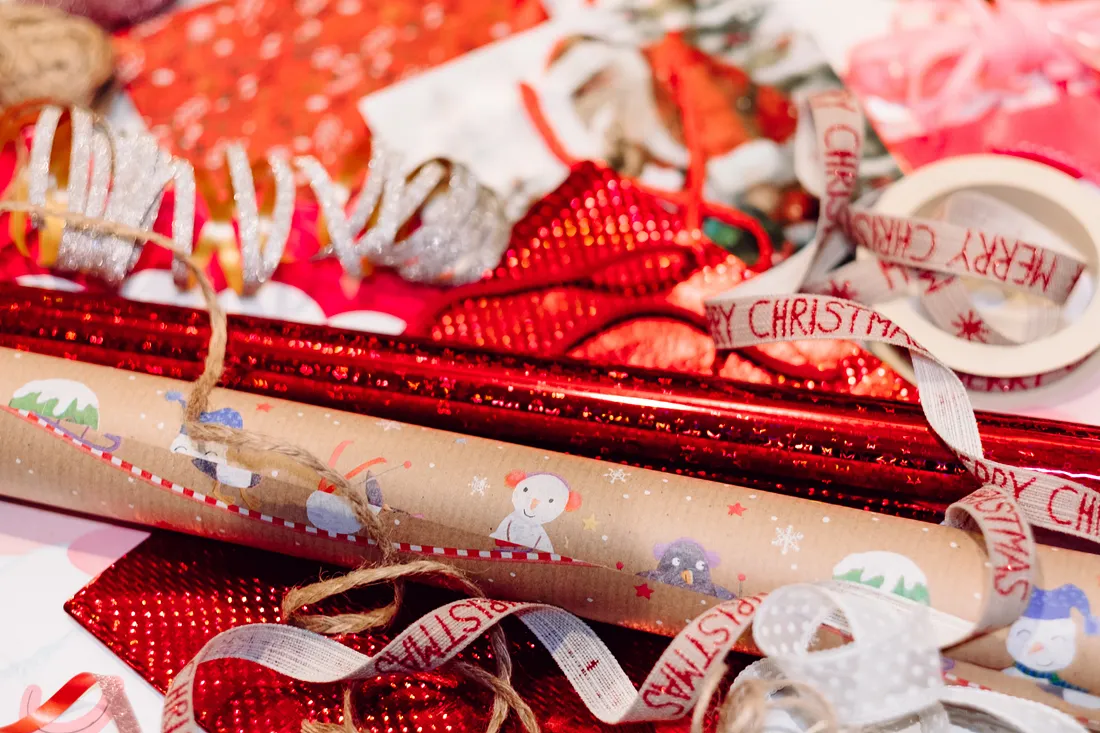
(158, 605)
(599, 269)
(875, 454)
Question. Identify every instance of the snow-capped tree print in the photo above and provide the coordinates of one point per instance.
(887, 571)
(59, 399)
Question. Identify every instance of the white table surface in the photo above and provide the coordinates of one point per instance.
(45, 558)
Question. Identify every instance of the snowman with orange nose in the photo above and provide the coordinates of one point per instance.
(537, 499)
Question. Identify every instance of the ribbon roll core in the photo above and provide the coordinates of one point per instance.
(1060, 203)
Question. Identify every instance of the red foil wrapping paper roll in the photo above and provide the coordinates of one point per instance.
(857, 451)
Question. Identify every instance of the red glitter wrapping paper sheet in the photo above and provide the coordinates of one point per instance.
(157, 606)
(286, 76)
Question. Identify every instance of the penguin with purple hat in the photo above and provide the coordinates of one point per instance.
(213, 458)
(1043, 641)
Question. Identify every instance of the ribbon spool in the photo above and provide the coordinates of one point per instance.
(1007, 224)
(1064, 210)
(47, 54)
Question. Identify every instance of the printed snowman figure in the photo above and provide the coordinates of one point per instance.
(538, 499)
(213, 458)
(1044, 641)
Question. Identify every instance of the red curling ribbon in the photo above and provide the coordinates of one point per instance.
(117, 706)
(677, 63)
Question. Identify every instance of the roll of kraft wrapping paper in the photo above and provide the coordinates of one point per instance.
(621, 545)
(862, 452)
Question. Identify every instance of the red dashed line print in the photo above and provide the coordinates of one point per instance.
(151, 478)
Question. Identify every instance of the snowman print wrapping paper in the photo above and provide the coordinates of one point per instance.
(537, 499)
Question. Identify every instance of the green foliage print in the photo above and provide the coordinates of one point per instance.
(33, 402)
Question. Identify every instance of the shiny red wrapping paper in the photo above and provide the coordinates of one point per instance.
(159, 604)
(599, 269)
(857, 451)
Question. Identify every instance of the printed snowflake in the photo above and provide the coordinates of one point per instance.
(388, 425)
(787, 539)
(478, 485)
(842, 289)
(614, 475)
(969, 326)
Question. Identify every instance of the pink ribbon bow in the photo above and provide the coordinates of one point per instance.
(945, 70)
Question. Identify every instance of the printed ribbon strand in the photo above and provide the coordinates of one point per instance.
(890, 672)
(750, 314)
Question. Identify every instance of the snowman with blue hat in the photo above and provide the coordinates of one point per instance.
(1043, 641)
(213, 458)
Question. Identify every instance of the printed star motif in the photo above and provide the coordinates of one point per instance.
(736, 509)
(841, 290)
(263, 407)
(643, 591)
(478, 485)
(969, 326)
(614, 475)
(619, 565)
(388, 425)
(590, 523)
(787, 539)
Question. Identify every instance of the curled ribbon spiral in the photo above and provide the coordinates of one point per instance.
(434, 228)
(114, 702)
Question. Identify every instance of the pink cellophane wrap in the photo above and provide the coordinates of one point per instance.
(950, 77)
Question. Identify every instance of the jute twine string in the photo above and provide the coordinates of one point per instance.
(46, 53)
(743, 711)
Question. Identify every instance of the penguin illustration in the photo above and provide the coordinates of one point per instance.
(685, 564)
(1044, 641)
(213, 458)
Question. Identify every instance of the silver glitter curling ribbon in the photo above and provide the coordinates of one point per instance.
(463, 230)
(119, 178)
